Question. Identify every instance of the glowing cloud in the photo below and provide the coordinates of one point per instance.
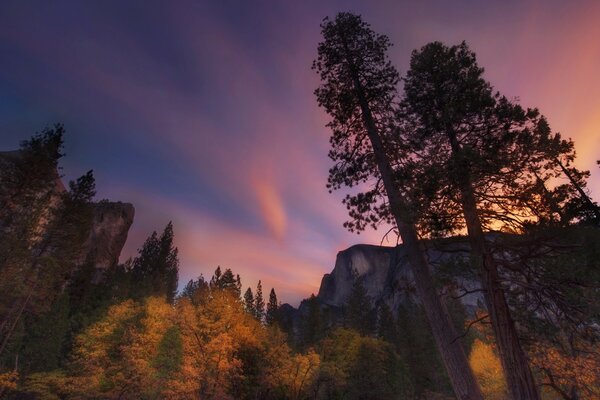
(271, 208)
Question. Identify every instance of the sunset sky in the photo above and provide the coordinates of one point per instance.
(203, 112)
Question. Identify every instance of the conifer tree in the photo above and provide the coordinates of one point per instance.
(249, 302)
(155, 270)
(238, 284)
(271, 316)
(358, 313)
(387, 328)
(313, 325)
(27, 199)
(196, 291)
(215, 281)
(259, 302)
(359, 92)
(229, 283)
(43, 230)
(489, 157)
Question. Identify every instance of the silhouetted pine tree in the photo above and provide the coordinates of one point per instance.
(271, 316)
(387, 327)
(313, 325)
(358, 312)
(249, 304)
(228, 282)
(259, 302)
(215, 281)
(359, 91)
(155, 270)
(196, 290)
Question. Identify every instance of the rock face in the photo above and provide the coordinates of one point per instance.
(110, 223)
(379, 269)
(385, 274)
(108, 234)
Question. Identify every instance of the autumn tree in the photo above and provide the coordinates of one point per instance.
(133, 351)
(226, 281)
(359, 93)
(488, 370)
(555, 276)
(358, 367)
(196, 290)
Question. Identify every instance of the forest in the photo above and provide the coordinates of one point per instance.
(435, 156)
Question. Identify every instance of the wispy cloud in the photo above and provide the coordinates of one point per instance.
(203, 113)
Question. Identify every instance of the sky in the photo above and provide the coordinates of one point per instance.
(203, 113)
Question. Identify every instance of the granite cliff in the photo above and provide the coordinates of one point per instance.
(109, 226)
(385, 274)
(108, 233)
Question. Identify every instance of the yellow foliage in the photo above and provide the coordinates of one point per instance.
(155, 350)
(53, 385)
(488, 371)
(564, 370)
(8, 381)
(289, 373)
(114, 356)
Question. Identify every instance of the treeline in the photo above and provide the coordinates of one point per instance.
(70, 330)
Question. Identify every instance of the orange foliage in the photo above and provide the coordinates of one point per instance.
(488, 371)
(120, 356)
(562, 371)
(8, 381)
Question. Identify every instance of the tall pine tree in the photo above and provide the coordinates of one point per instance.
(271, 316)
(484, 163)
(358, 312)
(259, 302)
(358, 91)
(155, 270)
(249, 302)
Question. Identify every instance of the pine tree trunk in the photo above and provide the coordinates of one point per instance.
(453, 355)
(520, 382)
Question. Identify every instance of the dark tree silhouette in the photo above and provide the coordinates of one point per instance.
(470, 136)
(271, 316)
(155, 270)
(249, 302)
(358, 312)
(387, 328)
(259, 302)
(196, 290)
(226, 281)
(358, 91)
(43, 231)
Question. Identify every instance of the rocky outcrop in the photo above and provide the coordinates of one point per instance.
(385, 274)
(375, 266)
(108, 233)
(109, 226)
